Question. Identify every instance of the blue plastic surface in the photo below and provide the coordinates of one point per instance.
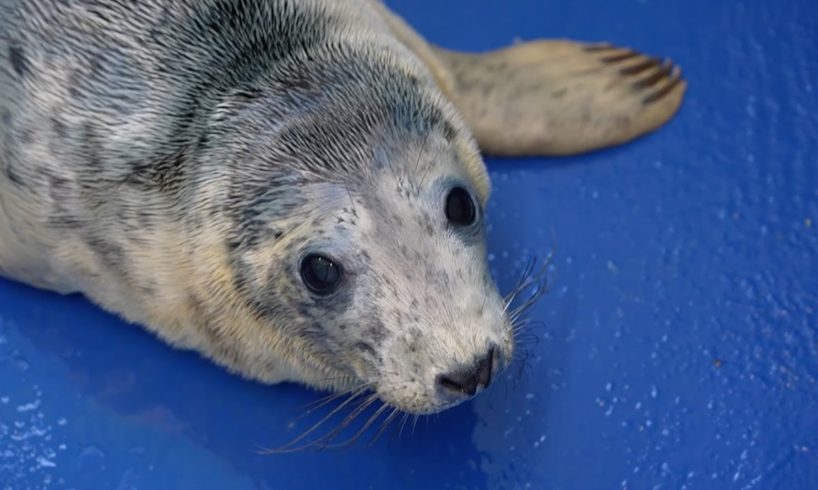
(680, 346)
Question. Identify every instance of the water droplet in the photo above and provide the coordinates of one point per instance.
(45, 463)
(29, 406)
(612, 268)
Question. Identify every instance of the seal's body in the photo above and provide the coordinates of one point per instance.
(290, 187)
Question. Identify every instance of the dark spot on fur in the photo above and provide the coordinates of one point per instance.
(15, 179)
(91, 145)
(298, 82)
(18, 60)
(248, 94)
(196, 304)
(164, 174)
(448, 131)
(58, 127)
(26, 136)
(109, 253)
(377, 333)
(363, 346)
(6, 117)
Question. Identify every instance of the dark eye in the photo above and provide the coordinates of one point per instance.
(460, 208)
(320, 274)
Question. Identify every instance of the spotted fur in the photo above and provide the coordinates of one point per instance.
(173, 159)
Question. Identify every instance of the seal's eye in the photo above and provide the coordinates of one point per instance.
(320, 274)
(460, 208)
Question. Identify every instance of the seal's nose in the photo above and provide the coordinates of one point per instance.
(467, 381)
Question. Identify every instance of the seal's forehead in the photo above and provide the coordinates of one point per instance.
(475, 168)
(464, 145)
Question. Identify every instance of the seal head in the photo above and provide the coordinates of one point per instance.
(358, 235)
(278, 185)
(356, 247)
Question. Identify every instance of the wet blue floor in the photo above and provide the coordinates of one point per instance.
(680, 339)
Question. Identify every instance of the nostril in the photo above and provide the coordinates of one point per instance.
(465, 386)
(467, 381)
(485, 368)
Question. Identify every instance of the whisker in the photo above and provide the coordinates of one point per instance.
(385, 425)
(363, 429)
(527, 341)
(541, 290)
(289, 446)
(316, 404)
(523, 362)
(520, 284)
(420, 154)
(326, 440)
(402, 423)
(429, 167)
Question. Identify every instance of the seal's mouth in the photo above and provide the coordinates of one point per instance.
(385, 403)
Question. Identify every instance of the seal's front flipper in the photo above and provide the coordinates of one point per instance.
(555, 97)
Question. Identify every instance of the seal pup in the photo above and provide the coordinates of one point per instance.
(292, 188)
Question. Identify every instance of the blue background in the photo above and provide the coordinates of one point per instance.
(679, 345)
